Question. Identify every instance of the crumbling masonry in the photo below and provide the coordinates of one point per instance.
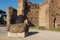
(46, 14)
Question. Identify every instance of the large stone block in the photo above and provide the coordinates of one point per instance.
(16, 34)
(18, 30)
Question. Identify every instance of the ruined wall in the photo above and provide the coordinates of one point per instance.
(44, 15)
(11, 15)
(33, 14)
(54, 13)
(57, 13)
(21, 11)
(49, 14)
(20, 7)
(29, 11)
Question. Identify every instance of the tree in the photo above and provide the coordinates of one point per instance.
(3, 14)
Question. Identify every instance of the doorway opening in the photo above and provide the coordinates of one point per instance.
(54, 22)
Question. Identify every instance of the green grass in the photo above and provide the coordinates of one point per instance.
(43, 28)
(33, 27)
(55, 29)
(39, 28)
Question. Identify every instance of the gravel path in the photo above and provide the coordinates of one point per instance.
(34, 35)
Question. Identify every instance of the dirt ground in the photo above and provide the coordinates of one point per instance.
(33, 35)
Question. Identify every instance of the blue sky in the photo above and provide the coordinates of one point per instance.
(4, 4)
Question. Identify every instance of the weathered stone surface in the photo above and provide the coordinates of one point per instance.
(33, 14)
(17, 28)
(16, 34)
(54, 13)
(46, 14)
(11, 15)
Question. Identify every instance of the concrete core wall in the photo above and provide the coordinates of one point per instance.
(11, 15)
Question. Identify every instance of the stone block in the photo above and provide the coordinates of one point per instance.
(16, 34)
(18, 30)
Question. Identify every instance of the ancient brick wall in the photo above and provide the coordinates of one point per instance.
(44, 15)
(21, 11)
(33, 15)
(54, 13)
(37, 15)
(11, 16)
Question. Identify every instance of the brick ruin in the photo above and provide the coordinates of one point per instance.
(54, 12)
(33, 14)
(49, 15)
(11, 16)
(46, 14)
(15, 21)
(28, 14)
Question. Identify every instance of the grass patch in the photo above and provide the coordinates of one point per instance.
(33, 27)
(39, 28)
(55, 29)
(43, 28)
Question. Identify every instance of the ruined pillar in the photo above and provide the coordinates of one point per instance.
(20, 12)
(9, 12)
(11, 16)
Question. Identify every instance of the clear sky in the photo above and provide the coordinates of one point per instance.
(4, 4)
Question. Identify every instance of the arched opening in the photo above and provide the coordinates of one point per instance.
(54, 22)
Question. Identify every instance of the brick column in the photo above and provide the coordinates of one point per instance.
(20, 11)
(11, 16)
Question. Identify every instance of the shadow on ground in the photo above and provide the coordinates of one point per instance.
(32, 33)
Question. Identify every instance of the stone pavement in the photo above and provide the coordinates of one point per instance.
(34, 35)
